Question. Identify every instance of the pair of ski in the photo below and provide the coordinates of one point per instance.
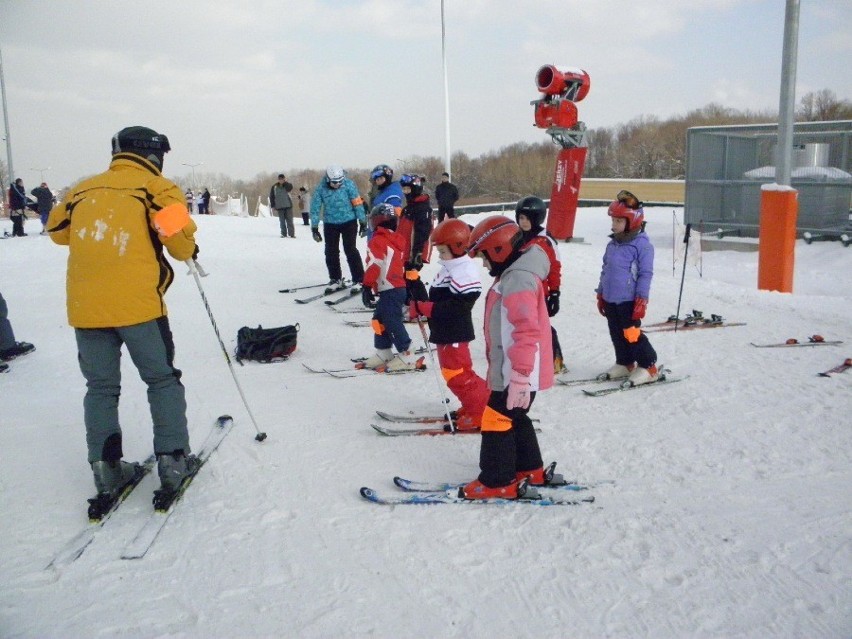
(813, 340)
(328, 292)
(840, 368)
(441, 426)
(360, 371)
(149, 531)
(716, 322)
(418, 492)
(624, 384)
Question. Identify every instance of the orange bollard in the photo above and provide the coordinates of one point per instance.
(779, 208)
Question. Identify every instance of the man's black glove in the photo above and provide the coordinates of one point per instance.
(367, 297)
(417, 262)
(552, 302)
(195, 252)
(315, 232)
(362, 229)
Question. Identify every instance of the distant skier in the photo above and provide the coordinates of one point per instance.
(44, 201)
(624, 289)
(415, 225)
(344, 217)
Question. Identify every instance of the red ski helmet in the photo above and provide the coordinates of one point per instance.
(454, 234)
(383, 215)
(634, 217)
(497, 237)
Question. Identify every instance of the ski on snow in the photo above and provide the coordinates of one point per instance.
(813, 340)
(628, 386)
(589, 380)
(78, 544)
(531, 496)
(692, 327)
(348, 295)
(840, 368)
(301, 288)
(325, 293)
(149, 531)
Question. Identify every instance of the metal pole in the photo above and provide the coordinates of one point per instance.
(786, 108)
(6, 123)
(447, 155)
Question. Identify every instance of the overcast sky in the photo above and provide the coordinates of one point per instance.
(255, 86)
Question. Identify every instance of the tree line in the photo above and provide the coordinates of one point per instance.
(646, 147)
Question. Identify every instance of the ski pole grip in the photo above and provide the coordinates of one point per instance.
(193, 264)
(686, 234)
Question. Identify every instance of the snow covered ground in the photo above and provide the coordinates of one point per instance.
(729, 515)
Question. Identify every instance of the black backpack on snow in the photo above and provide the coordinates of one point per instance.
(266, 344)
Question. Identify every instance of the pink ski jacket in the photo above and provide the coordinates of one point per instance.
(517, 328)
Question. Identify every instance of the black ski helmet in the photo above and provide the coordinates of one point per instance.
(414, 182)
(143, 142)
(383, 215)
(533, 208)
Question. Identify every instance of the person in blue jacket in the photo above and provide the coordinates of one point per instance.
(623, 291)
(385, 191)
(344, 216)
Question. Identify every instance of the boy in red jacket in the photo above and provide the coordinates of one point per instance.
(385, 275)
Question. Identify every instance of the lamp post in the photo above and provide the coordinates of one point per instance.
(40, 172)
(192, 166)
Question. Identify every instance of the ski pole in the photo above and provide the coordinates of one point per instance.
(437, 378)
(195, 269)
(683, 273)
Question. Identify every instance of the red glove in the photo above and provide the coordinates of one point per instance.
(419, 309)
(601, 305)
(640, 305)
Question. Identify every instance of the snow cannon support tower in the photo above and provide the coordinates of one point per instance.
(556, 113)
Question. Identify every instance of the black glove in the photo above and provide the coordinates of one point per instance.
(367, 297)
(417, 262)
(315, 232)
(552, 302)
(195, 252)
(362, 229)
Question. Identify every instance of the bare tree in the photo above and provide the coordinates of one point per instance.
(821, 106)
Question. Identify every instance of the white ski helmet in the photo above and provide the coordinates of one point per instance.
(334, 174)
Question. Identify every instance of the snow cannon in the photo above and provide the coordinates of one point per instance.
(556, 112)
(562, 89)
(571, 84)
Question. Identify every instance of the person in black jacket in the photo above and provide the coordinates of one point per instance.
(17, 205)
(279, 201)
(446, 193)
(44, 201)
(452, 295)
(204, 202)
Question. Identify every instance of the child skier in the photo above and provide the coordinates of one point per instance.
(623, 290)
(384, 274)
(517, 339)
(452, 295)
(415, 225)
(529, 214)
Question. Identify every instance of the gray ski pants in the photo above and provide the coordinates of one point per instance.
(151, 349)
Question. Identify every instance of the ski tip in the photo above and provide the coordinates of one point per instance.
(222, 420)
(368, 493)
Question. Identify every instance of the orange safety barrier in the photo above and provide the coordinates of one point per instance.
(779, 208)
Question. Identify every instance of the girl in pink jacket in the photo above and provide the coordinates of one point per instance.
(520, 359)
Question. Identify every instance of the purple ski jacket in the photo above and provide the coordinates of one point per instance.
(627, 270)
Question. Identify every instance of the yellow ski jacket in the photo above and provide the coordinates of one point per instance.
(117, 272)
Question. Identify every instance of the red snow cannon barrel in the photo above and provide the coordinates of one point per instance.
(572, 84)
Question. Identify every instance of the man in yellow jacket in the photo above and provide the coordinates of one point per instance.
(116, 226)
